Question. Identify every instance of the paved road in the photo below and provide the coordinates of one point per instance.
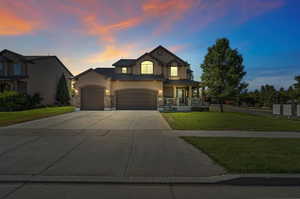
(91, 191)
(111, 120)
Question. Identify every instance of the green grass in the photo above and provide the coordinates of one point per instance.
(252, 155)
(229, 121)
(8, 118)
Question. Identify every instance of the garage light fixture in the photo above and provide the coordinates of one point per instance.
(160, 92)
(107, 92)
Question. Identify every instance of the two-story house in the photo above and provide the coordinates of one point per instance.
(154, 80)
(32, 74)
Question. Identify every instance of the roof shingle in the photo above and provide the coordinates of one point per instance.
(125, 62)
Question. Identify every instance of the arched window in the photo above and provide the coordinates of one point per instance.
(147, 67)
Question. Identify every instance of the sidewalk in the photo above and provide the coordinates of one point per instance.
(250, 134)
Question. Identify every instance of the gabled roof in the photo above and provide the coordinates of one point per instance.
(110, 73)
(12, 56)
(125, 62)
(39, 58)
(148, 54)
(105, 71)
(165, 49)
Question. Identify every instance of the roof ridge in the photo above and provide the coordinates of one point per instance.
(164, 48)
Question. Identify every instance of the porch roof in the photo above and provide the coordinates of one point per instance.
(186, 82)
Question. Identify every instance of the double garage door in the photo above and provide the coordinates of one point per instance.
(136, 99)
(92, 98)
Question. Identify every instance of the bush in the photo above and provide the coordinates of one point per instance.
(14, 101)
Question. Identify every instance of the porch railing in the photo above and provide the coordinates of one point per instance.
(194, 101)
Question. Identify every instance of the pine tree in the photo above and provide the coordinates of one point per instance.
(223, 71)
(62, 92)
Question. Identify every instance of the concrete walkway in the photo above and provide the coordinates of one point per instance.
(250, 134)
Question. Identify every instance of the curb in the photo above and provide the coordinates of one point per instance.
(229, 179)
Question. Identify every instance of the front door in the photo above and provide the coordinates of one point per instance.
(181, 93)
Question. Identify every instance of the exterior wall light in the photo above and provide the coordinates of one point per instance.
(160, 92)
(107, 92)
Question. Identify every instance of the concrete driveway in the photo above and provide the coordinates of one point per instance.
(111, 120)
(116, 144)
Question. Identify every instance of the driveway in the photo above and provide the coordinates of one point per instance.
(119, 145)
(111, 120)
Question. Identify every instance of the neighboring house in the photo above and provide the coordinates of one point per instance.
(155, 80)
(32, 74)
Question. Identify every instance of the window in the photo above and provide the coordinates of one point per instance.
(174, 71)
(17, 69)
(147, 67)
(1, 69)
(124, 70)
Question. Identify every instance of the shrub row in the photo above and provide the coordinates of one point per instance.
(14, 101)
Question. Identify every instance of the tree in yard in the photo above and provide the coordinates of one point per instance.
(297, 87)
(62, 92)
(223, 71)
(268, 95)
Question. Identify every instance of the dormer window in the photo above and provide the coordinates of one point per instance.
(147, 68)
(124, 70)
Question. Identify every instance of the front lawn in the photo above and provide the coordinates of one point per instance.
(252, 155)
(8, 118)
(229, 121)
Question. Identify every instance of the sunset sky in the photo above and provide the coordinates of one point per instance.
(96, 33)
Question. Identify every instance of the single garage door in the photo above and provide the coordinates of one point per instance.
(136, 99)
(92, 98)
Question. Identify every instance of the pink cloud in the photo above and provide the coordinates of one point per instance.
(17, 18)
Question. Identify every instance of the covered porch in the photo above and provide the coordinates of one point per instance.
(182, 95)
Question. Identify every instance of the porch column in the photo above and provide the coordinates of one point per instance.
(175, 96)
(190, 96)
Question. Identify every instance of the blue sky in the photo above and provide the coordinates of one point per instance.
(96, 33)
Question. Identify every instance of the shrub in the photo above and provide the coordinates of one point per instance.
(14, 101)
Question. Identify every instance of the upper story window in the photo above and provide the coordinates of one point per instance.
(124, 70)
(174, 71)
(147, 67)
(1, 68)
(17, 69)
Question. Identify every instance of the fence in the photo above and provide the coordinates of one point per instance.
(288, 110)
(230, 108)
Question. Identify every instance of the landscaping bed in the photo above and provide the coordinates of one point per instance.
(252, 155)
(8, 118)
(229, 121)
